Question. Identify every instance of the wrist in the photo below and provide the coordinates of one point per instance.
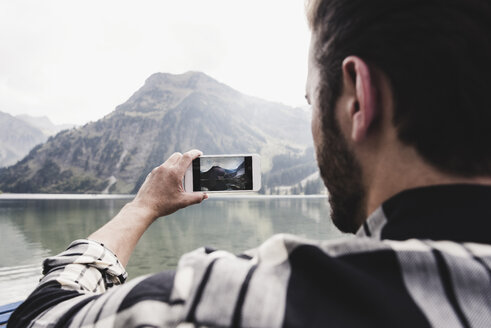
(141, 210)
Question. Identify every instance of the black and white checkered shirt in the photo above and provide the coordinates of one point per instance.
(422, 259)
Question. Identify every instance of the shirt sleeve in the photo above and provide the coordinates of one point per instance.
(75, 277)
(85, 266)
(83, 287)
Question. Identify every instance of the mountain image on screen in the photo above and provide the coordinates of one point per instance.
(218, 178)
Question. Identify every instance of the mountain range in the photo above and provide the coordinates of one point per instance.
(44, 124)
(168, 113)
(19, 134)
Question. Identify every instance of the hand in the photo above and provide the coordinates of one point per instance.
(162, 193)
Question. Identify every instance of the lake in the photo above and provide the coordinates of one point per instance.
(37, 226)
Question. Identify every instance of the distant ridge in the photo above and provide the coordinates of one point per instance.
(168, 113)
(20, 133)
(17, 137)
(44, 124)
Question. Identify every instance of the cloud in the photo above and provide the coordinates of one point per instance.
(76, 61)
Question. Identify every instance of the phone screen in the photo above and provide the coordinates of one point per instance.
(222, 173)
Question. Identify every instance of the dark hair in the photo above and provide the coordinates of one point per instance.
(437, 56)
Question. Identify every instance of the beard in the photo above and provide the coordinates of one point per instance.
(342, 175)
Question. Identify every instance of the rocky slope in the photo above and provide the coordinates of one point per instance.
(169, 113)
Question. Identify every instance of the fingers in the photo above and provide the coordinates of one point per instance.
(174, 158)
(176, 165)
(187, 158)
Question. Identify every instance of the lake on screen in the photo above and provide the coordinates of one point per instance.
(32, 229)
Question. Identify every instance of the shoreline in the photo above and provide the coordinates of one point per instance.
(12, 196)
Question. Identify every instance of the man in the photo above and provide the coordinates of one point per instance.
(400, 118)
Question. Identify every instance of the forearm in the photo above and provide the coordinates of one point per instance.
(122, 233)
(88, 268)
(161, 194)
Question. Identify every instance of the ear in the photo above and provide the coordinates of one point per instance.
(363, 110)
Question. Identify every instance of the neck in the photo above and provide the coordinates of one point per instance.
(389, 177)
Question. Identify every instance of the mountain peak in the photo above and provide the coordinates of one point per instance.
(163, 91)
(193, 80)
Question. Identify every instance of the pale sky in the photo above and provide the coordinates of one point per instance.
(75, 61)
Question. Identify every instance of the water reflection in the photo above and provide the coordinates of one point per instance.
(33, 229)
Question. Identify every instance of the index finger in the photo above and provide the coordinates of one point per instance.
(187, 158)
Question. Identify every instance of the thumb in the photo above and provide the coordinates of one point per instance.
(194, 198)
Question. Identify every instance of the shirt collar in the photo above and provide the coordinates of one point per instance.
(445, 212)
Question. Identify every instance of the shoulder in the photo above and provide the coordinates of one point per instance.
(299, 282)
(222, 288)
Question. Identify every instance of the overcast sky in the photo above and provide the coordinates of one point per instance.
(75, 61)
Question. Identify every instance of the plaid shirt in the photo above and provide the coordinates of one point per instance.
(422, 259)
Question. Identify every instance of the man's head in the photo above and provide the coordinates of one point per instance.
(423, 66)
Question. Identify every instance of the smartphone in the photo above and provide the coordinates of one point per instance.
(224, 173)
